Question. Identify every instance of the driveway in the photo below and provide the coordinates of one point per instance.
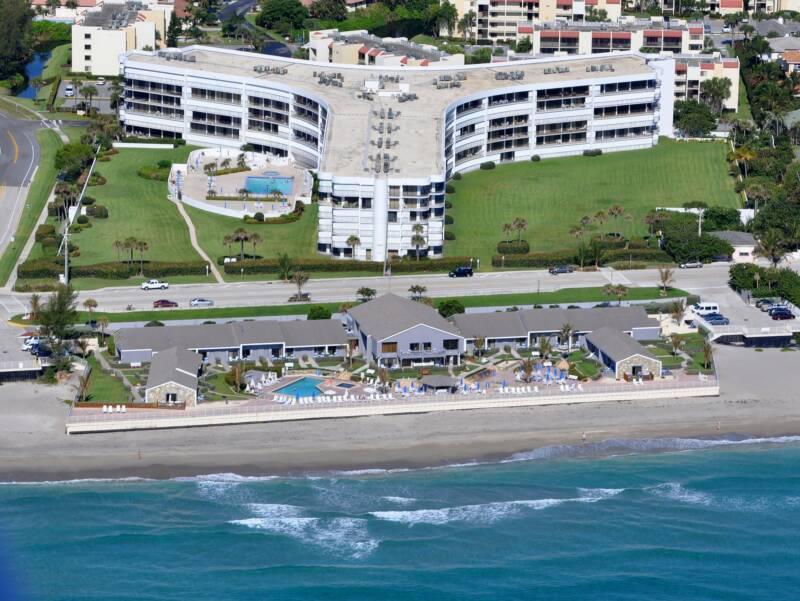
(101, 101)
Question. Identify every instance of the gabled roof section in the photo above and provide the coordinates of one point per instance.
(174, 365)
(616, 344)
(390, 314)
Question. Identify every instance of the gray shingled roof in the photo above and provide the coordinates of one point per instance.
(174, 365)
(735, 238)
(515, 324)
(390, 314)
(616, 344)
(233, 335)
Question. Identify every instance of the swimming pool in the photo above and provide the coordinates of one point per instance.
(302, 387)
(269, 183)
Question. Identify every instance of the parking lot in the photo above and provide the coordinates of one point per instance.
(101, 101)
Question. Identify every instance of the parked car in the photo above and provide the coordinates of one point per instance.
(782, 315)
(556, 269)
(691, 265)
(154, 285)
(41, 351)
(778, 309)
(164, 304)
(765, 301)
(603, 305)
(100, 81)
(69, 91)
(461, 272)
(300, 298)
(767, 305)
(201, 302)
(713, 316)
(31, 342)
(718, 320)
(703, 308)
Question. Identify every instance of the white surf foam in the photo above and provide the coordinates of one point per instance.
(78, 481)
(487, 513)
(343, 536)
(400, 500)
(677, 492)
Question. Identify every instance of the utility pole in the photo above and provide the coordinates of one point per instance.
(66, 254)
(700, 222)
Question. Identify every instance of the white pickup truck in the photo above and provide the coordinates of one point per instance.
(154, 285)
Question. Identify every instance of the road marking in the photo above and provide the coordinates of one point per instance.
(16, 148)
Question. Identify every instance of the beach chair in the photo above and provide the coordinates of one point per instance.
(580, 387)
(105, 408)
(124, 408)
(536, 389)
(119, 409)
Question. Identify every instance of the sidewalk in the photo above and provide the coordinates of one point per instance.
(193, 239)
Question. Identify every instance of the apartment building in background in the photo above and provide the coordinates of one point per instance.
(383, 141)
(362, 48)
(692, 70)
(645, 35)
(100, 37)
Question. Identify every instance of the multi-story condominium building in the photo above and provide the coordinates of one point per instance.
(693, 70)
(362, 48)
(502, 19)
(383, 141)
(561, 37)
(101, 36)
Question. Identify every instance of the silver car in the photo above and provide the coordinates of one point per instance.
(201, 302)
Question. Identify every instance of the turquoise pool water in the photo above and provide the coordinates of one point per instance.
(303, 387)
(269, 183)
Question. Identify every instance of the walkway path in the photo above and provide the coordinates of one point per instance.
(117, 373)
(193, 238)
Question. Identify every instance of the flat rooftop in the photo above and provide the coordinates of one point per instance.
(417, 127)
(113, 16)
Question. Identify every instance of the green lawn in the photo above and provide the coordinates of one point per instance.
(554, 194)
(58, 59)
(105, 388)
(39, 191)
(743, 113)
(298, 239)
(137, 207)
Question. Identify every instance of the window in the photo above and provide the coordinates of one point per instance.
(414, 346)
(172, 397)
(389, 347)
(366, 203)
(87, 36)
(426, 346)
(87, 57)
(87, 46)
(451, 344)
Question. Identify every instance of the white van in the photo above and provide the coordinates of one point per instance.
(703, 308)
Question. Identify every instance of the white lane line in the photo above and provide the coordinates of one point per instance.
(17, 208)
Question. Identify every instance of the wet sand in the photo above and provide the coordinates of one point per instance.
(760, 398)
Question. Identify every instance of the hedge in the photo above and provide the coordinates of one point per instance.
(513, 247)
(229, 170)
(536, 158)
(49, 268)
(488, 165)
(82, 219)
(296, 214)
(653, 255)
(154, 173)
(457, 175)
(99, 211)
(450, 189)
(51, 98)
(138, 140)
(87, 200)
(596, 152)
(537, 259)
(448, 220)
(449, 235)
(45, 230)
(409, 265)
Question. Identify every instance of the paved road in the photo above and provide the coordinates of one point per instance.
(706, 282)
(19, 157)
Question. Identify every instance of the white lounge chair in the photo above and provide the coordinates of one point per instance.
(124, 408)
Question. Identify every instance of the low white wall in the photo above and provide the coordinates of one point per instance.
(400, 406)
(142, 145)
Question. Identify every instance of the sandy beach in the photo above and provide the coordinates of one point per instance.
(759, 399)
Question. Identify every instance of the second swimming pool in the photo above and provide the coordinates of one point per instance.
(302, 387)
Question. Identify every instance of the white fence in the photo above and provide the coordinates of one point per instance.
(79, 422)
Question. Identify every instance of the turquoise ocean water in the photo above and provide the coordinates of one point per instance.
(711, 522)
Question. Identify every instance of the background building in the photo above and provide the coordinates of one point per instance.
(692, 70)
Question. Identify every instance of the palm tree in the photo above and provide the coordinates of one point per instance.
(479, 345)
(353, 242)
(507, 229)
(142, 247)
(88, 92)
(743, 155)
(566, 335)
(609, 290)
(300, 279)
(130, 245)
(545, 348)
(615, 212)
(284, 266)
(666, 277)
(35, 306)
(119, 246)
(582, 253)
(620, 292)
(596, 252)
(241, 236)
(227, 240)
(772, 246)
(527, 368)
(90, 305)
(417, 291)
(103, 324)
(676, 310)
(365, 294)
(676, 342)
(417, 239)
(708, 354)
(255, 240)
(81, 387)
(600, 218)
(520, 224)
(241, 161)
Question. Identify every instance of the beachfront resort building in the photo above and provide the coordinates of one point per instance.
(691, 70)
(384, 140)
(623, 355)
(172, 378)
(362, 48)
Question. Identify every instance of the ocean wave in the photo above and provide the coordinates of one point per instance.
(224, 477)
(342, 535)
(677, 492)
(275, 510)
(487, 513)
(400, 500)
(76, 481)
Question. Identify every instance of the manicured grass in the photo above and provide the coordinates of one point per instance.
(554, 194)
(137, 207)
(298, 239)
(74, 134)
(59, 57)
(566, 295)
(134, 282)
(38, 194)
(744, 112)
(105, 388)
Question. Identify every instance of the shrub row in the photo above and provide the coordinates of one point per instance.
(654, 255)
(409, 265)
(296, 214)
(138, 140)
(537, 259)
(99, 211)
(595, 152)
(514, 247)
(49, 268)
(229, 170)
(488, 165)
(449, 235)
(45, 230)
(155, 173)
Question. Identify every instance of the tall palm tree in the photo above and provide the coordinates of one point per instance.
(142, 247)
(772, 246)
(676, 310)
(241, 236)
(620, 292)
(417, 239)
(479, 345)
(35, 306)
(90, 305)
(88, 92)
(600, 218)
(366, 294)
(103, 324)
(615, 212)
(676, 342)
(743, 155)
(545, 348)
(119, 246)
(417, 291)
(227, 240)
(507, 229)
(566, 335)
(708, 354)
(520, 225)
(353, 242)
(130, 245)
(666, 278)
(255, 240)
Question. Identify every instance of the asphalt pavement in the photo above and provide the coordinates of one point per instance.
(19, 159)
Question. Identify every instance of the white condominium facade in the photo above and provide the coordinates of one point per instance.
(383, 141)
(692, 70)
